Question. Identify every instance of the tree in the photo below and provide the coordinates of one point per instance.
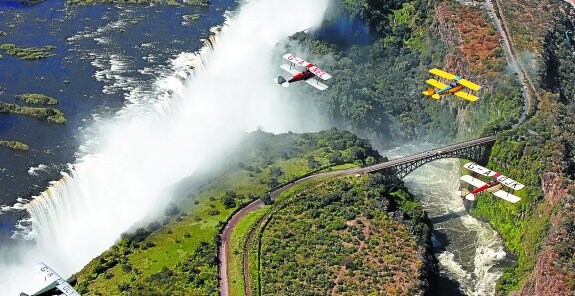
(335, 158)
(229, 199)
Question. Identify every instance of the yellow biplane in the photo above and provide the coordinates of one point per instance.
(454, 87)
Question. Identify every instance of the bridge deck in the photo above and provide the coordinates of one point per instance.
(442, 152)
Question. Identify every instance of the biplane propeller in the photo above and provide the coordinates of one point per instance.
(309, 74)
(454, 87)
(493, 187)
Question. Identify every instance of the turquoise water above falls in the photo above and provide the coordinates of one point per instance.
(104, 56)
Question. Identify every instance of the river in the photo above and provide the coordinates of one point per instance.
(470, 253)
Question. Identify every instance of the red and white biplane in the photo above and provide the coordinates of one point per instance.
(308, 75)
(494, 186)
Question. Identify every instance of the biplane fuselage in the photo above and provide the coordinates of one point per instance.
(491, 186)
(303, 75)
(450, 89)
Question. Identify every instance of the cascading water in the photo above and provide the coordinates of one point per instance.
(130, 161)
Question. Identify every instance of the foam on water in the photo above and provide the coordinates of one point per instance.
(473, 247)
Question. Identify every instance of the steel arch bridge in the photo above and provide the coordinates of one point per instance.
(394, 170)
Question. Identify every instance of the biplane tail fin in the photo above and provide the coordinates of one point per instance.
(429, 92)
(282, 81)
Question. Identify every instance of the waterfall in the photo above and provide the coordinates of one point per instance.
(127, 163)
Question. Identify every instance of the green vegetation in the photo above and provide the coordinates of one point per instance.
(30, 53)
(15, 145)
(203, 3)
(540, 154)
(32, 2)
(476, 49)
(191, 17)
(49, 114)
(364, 241)
(37, 99)
(237, 243)
(177, 254)
(376, 88)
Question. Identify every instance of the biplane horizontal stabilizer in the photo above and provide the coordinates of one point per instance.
(428, 92)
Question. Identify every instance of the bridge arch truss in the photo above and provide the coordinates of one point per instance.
(394, 170)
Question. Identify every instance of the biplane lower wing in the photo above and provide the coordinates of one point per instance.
(315, 83)
(469, 84)
(473, 181)
(291, 70)
(436, 83)
(465, 95)
(506, 196)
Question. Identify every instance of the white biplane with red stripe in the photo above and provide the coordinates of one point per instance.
(493, 187)
(309, 74)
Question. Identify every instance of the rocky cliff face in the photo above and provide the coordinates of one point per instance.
(475, 53)
(475, 50)
(553, 274)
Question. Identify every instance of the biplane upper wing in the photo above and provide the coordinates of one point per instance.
(443, 74)
(473, 181)
(506, 196)
(319, 73)
(469, 84)
(294, 59)
(51, 277)
(479, 169)
(465, 95)
(315, 83)
(291, 70)
(436, 83)
(510, 182)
